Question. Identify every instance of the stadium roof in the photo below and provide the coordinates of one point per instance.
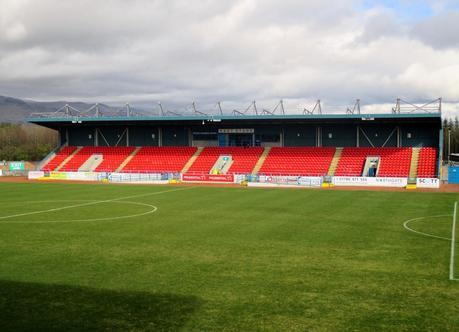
(180, 118)
(428, 118)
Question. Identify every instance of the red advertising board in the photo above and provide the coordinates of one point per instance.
(208, 177)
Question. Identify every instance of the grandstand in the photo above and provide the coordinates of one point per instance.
(398, 145)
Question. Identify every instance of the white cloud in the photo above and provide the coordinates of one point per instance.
(234, 51)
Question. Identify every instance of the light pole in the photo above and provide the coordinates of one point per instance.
(449, 144)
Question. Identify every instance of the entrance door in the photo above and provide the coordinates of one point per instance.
(371, 166)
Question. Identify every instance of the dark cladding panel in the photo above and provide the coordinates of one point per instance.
(112, 136)
(81, 136)
(143, 136)
(420, 136)
(175, 136)
(300, 135)
(62, 135)
(339, 135)
(378, 135)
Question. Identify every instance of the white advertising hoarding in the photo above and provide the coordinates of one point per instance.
(81, 176)
(35, 174)
(154, 178)
(369, 181)
(308, 181)
(428, 183)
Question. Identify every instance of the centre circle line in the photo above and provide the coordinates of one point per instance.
(153, 209)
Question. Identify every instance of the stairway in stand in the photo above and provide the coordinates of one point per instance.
(261, 161)
(128, 159)
(414, 162)
(335, 161)
(66, 160)
(191, 160)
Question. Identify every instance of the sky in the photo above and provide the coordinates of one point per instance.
(234, 51)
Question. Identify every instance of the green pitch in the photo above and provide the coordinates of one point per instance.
(134, 258)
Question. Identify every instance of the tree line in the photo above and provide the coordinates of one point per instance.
(26, 142)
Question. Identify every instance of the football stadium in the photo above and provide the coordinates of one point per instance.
(244, 221)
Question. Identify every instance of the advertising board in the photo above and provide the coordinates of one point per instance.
(227, 178)
(308, 181)
(75, 176)
(428, 183)
(35, 175)
(154, 178)
(369, 181)
(16, 166)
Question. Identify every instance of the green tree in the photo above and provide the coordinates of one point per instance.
(26, 142)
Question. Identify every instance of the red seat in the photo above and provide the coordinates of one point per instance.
(306, 161)
(427, 165)
(58, 158)
(112, 158)
(394, 162)
(153, 159)
(244, 159)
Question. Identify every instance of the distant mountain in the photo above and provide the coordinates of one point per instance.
(14, 110)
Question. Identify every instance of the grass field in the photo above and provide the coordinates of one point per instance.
(134, 258)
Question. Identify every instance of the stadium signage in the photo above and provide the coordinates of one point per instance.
(58, 175)
(236, 131)
(238, 178)
(154, 178)
(229, 178)
(82, 176)
(16, 165)
(76, 176)
(35, 174)
(309, 181)
(369, 181)
(428, 183)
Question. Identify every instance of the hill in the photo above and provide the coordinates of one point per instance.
(14, 110)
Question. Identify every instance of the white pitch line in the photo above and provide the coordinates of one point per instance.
(153, 209)
(453, 244)
(91, 203)
(405, 225)
(51, 210)
(452, 239)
